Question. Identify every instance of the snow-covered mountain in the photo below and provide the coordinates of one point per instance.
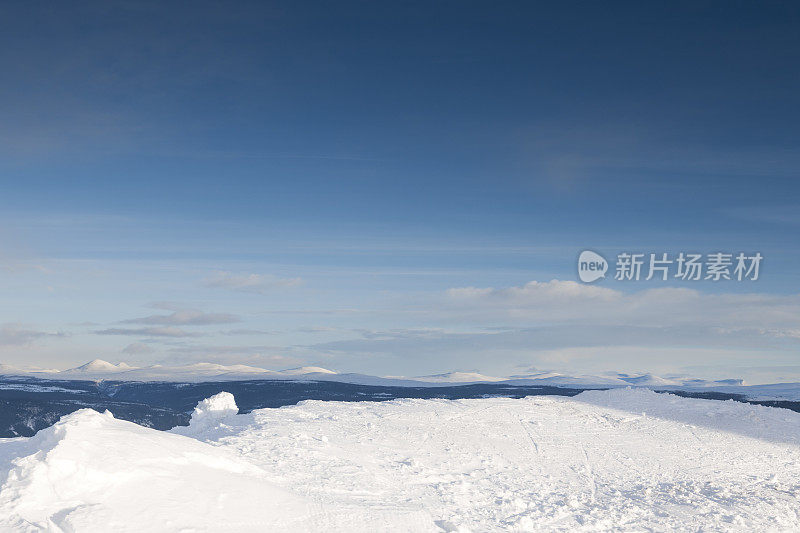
(459, 377)
(303, 370)
(198, 372)
(98, 366)
(100, 369)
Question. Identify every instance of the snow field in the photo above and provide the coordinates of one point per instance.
(619, 460)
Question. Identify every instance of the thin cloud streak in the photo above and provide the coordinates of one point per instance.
(187, 317)
(254, 283)
(149, 332)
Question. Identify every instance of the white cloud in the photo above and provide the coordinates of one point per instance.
(537, 293)
(186, 317)
(580, 327)
(318, 329)
(571, 302)
(18, 335)
(138, 348)
(168, 331)
(245, 331)
(255, 283)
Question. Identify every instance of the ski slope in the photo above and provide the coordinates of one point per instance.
(617, 460)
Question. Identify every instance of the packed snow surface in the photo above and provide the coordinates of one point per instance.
(617, 460)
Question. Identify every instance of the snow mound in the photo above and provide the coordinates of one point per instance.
(90, 472)
(210, 413)
(219, 405)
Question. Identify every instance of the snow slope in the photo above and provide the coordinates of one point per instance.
(618, 460)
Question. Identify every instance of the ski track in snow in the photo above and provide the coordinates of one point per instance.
(618, 460)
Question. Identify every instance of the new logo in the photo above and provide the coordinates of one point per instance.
(591, 266)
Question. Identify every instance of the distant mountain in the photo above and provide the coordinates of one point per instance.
(306, 370)
(459, 377)
(9, 370)
(100, 370)
(98, 366)
(565, 380)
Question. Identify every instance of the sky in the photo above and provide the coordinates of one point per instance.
(398, 188)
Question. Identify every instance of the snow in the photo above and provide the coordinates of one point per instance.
(623, 459)
(91, 472)
(211, 412)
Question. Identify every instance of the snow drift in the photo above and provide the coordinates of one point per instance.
(91, 472)
(625, 459)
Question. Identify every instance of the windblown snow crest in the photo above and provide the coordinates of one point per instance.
(625, 459)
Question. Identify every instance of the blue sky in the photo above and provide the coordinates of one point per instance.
(289, 183)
